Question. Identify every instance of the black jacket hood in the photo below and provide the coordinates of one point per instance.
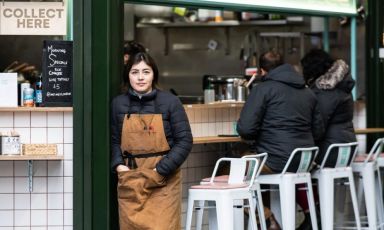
(286, 74)
(338, 76)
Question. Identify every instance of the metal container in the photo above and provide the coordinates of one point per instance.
(241, 93)
(223, 86)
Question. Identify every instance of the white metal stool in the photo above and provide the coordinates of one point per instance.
(326, 177)
(262, 157)
(287, 182)
(366, 166)
(238, 187)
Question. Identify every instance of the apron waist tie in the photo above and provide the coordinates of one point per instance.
(131, 158)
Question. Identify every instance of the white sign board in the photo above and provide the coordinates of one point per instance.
(33, 18)
(8, 89)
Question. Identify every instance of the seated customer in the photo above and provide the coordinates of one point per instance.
(332, 83)
(280, 114)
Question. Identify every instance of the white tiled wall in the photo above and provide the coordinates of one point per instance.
(206, 122)
(49, 206)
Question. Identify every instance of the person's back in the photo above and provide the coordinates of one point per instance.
(332, 84)
(280, 113)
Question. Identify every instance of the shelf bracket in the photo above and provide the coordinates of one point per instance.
(30, 176)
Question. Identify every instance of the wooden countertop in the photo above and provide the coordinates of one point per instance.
(216, 139)
(36, 109)
(369, 130)
(232, 104)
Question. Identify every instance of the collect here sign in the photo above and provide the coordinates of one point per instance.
(33, 18)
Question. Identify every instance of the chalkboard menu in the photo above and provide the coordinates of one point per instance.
(57, 73)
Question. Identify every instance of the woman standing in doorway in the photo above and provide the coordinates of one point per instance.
(151, 138)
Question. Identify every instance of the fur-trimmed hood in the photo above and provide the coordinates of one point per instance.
(337, 76)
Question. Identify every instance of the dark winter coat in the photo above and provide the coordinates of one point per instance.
(333, 92)
(175, 121)
(281, 114)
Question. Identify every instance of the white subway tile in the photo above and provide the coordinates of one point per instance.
(55, 184)
(68, 119)
(38, 135)
(68, 201)
(68, 227)
(68, 218)
(6, 218)
(22, 217)
(68, 151)
(232, 114)
(56, 227)
(39, 201)
(55, 201)
(55, 168)
(68, 135)
(39, 228)
(23, 119)
(39, 119)
(212, 129)
(40, 185)
(55, 119)
(193, 129)
(68, 168)
(204, 129)
(55, 217)
(219, 115)
(60, 149)
(21, 168)
(219, 128)
(6, 119)
(211, 115)
(40, 168)
(25, 135)
(10, 228)
(68, 184)
(204, 115)
(198, 115)
(55, 135)
(38, 218)
(22, 201)
(6, 168)
(6, 201)
(6, 184)
(20, 228)
(225, 114)
(198, 130)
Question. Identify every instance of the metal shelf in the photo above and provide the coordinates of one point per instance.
(227, 23)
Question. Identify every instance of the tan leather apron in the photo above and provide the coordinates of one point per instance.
(147, 200)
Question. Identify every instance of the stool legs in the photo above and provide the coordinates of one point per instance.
(352, 188)
(311, 202)
(288, 204)
(326, 191)
(368, 177)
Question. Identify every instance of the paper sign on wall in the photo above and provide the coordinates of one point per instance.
(33, 18)
(8, 89)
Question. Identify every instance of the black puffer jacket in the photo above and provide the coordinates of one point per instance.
(281, 114)
(175, 121)
(333, 92)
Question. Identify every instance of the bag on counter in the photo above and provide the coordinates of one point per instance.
(10, 143)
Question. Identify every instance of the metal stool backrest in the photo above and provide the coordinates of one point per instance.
(307, 155)
(375, 150)
(346, 154)
(239, 169)
(262, 157)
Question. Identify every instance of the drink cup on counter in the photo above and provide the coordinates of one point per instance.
(209, 96)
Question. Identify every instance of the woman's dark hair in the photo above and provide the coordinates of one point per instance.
(131, 48)
(270, 60)
(315, 64)
(136, 59)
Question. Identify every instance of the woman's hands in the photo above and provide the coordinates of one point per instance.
(122, 168)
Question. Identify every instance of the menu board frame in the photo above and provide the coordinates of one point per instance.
(57, 73)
